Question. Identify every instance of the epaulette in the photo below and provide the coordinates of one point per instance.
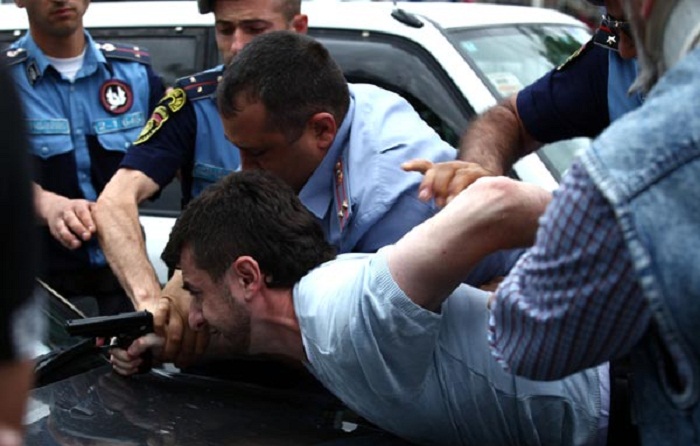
(578, 53)
(13, 56)
(200, 85)
(124, 52)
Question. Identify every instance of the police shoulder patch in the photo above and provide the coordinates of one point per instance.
(172, 102)
(200, 85)
(158, 117)
(578, 53)
(13, 56)
(124, 52)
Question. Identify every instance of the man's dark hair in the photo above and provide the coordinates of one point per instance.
(292, 75)
(289, 8)
(250, 213)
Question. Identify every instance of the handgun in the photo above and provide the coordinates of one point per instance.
(122, 329)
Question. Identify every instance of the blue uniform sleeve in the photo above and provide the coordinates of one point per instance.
(156, 88)
(166, 142)
(570, 101)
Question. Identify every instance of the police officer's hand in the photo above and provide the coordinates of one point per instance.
(183, 346)
(70, 220)
(444, 181)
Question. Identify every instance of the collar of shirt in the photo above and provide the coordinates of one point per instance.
(317, 193)
(93, 56)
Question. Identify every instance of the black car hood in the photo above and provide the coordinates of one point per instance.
(161, 408)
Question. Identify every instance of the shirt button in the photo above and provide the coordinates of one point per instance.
(127, 144)
(44, 150)
(72, 88)
(78, 131)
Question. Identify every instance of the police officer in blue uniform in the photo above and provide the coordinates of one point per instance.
(85, 102)
(340, 146)
(578, 99)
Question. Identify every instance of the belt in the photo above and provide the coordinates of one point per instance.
(88, 282)
(621, 430)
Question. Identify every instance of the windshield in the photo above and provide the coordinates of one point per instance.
(510, 57)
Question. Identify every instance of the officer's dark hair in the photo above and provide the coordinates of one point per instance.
(292, 75)
(289, 8)
(250, 213)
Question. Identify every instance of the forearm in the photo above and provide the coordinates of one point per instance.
(492, 214)
(121, 238)
(497, 139)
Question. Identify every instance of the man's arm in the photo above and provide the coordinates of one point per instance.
(429, 262)
(492, 144)
(119, 232)
(149, 165)
(498, 138)
(573, 301)
(567, 102)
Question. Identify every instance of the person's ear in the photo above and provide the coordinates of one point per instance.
(19, 3)
(300, 23)
(324, 129)
(248, 276)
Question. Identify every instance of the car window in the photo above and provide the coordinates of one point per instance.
(399, 65)
(511, 57)
(175, 52)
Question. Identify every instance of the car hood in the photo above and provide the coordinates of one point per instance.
(162, 408)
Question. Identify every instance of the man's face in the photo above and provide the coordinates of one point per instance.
(263, 147)
(626, 44)
(55, 18)
(214, 306)
(239, 21)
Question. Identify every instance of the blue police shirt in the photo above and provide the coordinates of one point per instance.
(185, 132)
(360, 194)
(79, 130)
(429, 377)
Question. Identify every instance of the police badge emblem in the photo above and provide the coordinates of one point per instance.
(116, 96)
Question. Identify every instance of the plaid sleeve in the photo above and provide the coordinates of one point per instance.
(572, 301)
